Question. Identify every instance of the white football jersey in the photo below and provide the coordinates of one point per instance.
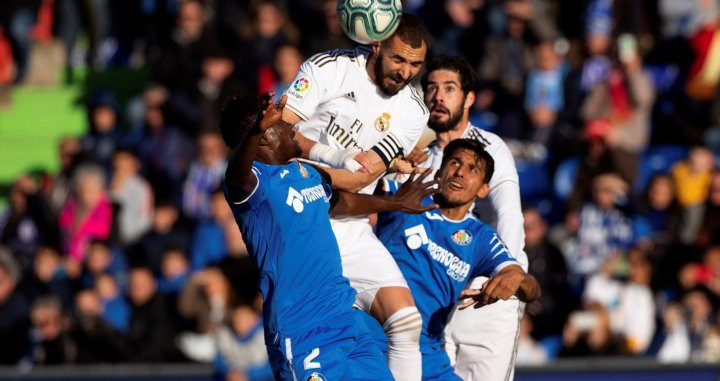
(501, 209)
(340, 106)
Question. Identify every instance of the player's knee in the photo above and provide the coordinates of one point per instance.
(403, 327)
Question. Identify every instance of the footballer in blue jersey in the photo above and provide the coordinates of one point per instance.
(440, 250)
(281, 206)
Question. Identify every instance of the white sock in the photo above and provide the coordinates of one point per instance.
(403, 331)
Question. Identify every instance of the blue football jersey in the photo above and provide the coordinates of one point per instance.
(437, 257)
(286, 228)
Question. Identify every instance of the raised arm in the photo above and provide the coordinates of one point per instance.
(407, 199)
(239, 179)
(511, 280)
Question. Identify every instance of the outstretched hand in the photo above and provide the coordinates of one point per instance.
(412, 193)
(270, 114)
(502, 286)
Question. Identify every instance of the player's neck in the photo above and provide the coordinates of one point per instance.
(455, 213)
(444, 138)
(269, 158)
(369, 68)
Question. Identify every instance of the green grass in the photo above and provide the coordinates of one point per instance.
(31, 127)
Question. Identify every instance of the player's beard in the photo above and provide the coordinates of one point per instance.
(380, 78)
(454, 117)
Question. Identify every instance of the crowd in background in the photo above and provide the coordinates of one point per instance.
(130, 253)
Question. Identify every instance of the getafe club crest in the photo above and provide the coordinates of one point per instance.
(315, 376)
(462, 237)
(382, 123)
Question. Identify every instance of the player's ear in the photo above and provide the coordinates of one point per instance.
(469, 100)
(268, 137)
(484, 191)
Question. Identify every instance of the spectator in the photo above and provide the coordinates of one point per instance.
(217, 237)
(285, 67)
(14, 311)
(544, 92)
(175, 272)
(205, 174)
(133, 195)
(601, 229)
(634, 319)
(115, 308)
(104, 135)
(692, 181)
(102, 258)
(547, 265)
(167, 232)
(660, 210)
(163, 148)
(69, 155)
(709, 233)
(27, 223)
(51, 341)
(506, 61)
(96, 341)
(215, 86)
(150, 335)
(87, 214)
(241, 348)
(587, 333)
(618, 110)
(529, 351)
(47, 277)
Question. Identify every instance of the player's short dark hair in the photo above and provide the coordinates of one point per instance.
(237, 117)
(474, 146)
(412, 31)
(469, 80)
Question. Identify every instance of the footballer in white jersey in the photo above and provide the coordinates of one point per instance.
(481, 343)
(357, 103)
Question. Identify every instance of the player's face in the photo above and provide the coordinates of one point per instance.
(397, 64)
(282, 136)
(463, 178)
(446, 100)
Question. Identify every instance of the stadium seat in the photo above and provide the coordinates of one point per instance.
(534, 182)
(565, 177)
(658, 159)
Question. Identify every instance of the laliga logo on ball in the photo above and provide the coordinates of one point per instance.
(368, 21)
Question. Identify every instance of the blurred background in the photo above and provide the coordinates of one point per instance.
(118, 245)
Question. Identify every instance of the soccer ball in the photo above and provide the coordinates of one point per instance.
(368, 21)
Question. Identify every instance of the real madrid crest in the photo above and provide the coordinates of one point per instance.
(462, 237)
(382, 123)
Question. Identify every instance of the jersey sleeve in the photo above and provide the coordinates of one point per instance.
(313, 84)
(493, 254)
(405, 131)
(253, 199)
(505, 197)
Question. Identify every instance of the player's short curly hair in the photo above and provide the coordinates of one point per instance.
(474, 146)
(411, 31)
(469, 80)
(237, 117)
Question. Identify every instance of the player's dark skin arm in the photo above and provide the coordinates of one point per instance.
(511, 280)
(407, 199)
(239, 179)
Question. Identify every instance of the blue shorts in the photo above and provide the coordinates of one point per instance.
(337, 352)
(436, 366)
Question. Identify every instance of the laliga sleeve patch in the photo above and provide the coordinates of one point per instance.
(299, 88)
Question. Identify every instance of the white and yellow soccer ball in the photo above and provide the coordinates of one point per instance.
(368, 21)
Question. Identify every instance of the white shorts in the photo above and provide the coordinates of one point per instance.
(482, 343)
(366, 262)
